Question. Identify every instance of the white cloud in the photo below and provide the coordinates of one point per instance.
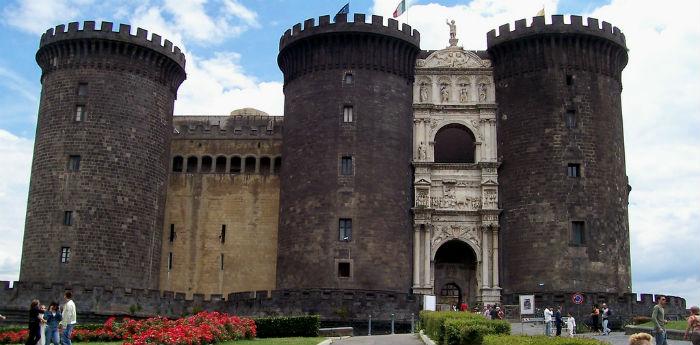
(14, 186)
(35, 16)
(219, 85)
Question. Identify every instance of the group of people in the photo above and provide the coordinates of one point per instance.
(603, 312)
(554, 315)
(493, 312)
(658, 318)
(46, 325)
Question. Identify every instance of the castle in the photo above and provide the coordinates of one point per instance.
(474, 176)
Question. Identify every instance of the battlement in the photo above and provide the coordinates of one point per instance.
(227, 126)
(341, 25)
(539, 27)
(105, 32)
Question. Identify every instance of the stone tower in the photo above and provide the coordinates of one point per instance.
(346, 178)
(101, 156)
(563, 184)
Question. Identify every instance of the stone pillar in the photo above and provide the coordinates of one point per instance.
(426, 258)
(485, 262)
(495, 280)
(416, 255)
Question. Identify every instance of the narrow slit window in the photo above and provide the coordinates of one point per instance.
(222, 236)
(221, 260)
(170, 261)
(346, 165)
(79, 113)
(172, 233)
(68, 218)
(578, 236)
(65, 255)
(573, 170)
(347, 114)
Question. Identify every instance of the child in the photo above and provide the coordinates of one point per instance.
(570, 324)
(640, 339)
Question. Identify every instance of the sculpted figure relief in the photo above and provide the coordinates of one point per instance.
(453, 28)
(482, 91)
(463, 93)
(444, 93)
(424, 92)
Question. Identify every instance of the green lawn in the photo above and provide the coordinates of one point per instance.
(678, 325)
(265, 341)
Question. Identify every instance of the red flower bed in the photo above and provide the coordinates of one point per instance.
(203, 328)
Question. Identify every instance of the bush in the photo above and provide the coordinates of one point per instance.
(288, 326)
(433, 322)
(537, 340)
(459, 328)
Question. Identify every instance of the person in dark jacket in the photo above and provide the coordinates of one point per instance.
(34, 324)
(558, 320)
(53, 317)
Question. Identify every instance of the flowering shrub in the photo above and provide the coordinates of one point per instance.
(202, 328)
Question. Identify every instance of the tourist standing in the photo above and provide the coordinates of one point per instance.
(558, 321)
(693, 326)
(69, 318)
(595, 318)
(487, 312)
(606, 319)
(34, 323)
(494, 312)
(53, 318)
(659, 321)
(42, 325)
(547, 321)
(570, 324)
(463, 307)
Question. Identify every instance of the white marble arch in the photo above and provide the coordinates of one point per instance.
(474, 246)
(446, 122)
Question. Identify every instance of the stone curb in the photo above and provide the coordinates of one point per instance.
(672, 334)
(425, 339)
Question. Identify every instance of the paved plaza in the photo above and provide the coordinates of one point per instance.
(614, 338)
(396, 339)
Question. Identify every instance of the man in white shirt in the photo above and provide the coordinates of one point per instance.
(69, 318)
(547, 321)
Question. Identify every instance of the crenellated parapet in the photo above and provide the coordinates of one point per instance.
(572, 46)
(345, 45)
(233, 127)
(102, 47)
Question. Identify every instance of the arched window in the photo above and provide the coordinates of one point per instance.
(454, 143)
(220, 164)
(278, 165)
(235, 165)
(192, 164)
(206, 164)
(265, 165)
(249, 165)
(177, 163)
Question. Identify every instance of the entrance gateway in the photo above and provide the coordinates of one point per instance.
(456, 179)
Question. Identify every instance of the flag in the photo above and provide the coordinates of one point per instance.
(540, 13)
(345, 9)
(400, 9)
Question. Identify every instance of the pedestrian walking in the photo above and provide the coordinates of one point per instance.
(606, 318)
(659, 321)
(693, 328)
(595, 318)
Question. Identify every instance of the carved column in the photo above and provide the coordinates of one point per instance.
(426, 258)
(496, 283)
(416, 255)
(485, 262)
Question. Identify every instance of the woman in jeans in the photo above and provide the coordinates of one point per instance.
(53, 317)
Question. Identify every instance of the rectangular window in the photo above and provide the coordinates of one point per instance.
(79, 113)
(68, 218)
(345, 229)
(573, 170)
(344, 269)
(82, 89)
(569, 79)
(570, 119)
(222, 237)
(170, 261)
(65, 255)
(346, 165)
(347, 113)
(172, 233)
(73, 163)
(222, 261)
(578, 233)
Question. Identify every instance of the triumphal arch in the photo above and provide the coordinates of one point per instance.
(456, 179)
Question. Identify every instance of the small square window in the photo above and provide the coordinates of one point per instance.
(82, 89)
(222, 236)
(578, 235)
(170, 261)
(346, 165)
(348, 78)
(347, 114)
(344, 270)
(73, 163)
(65, 255)
(570, 119)
(345, 229)
(68, 218)
(172, 233)
(79, 113)
(573, 170)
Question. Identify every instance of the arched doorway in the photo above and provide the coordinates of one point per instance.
(454, 143)
(455, 274)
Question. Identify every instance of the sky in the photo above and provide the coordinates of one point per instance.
(231, 48)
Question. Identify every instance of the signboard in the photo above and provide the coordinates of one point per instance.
(429, 302)
(527, 304)
(577, 298)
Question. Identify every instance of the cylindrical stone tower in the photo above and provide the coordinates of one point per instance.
(563, 186)
(101, 157)
(346, 179)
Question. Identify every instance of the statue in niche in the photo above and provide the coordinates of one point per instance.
(482, 91)
(424, 92)
(463, 93)
(444, 93)
(422, 153)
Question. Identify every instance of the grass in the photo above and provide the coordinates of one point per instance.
(677, 325)
(537, 340)
(264, 341)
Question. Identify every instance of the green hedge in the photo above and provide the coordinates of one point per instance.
(537, 340)
(459, 328)
(288, 326)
